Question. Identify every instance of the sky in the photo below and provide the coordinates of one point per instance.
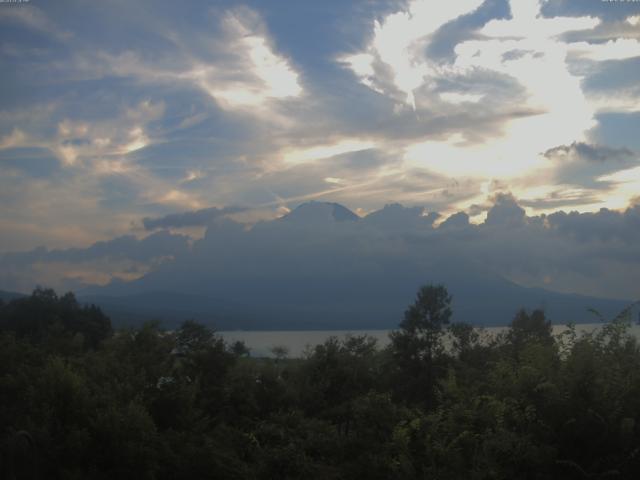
(115, 115)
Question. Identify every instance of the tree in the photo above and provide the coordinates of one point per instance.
(239, 349)
(193, 337)
(44, 316)
(527, 328)
(418, 343)
(280, 352)
(205, 361)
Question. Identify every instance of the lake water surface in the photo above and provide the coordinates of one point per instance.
(260, 343)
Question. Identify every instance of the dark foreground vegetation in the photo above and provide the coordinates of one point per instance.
(80, 401)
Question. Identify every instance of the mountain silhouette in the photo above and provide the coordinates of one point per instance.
(323, 267)
(319, 213)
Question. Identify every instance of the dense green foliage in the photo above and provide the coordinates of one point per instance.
(443, 401)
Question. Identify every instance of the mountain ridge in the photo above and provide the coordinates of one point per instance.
(318, 269)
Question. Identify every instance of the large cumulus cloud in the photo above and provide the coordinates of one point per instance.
(589, 253)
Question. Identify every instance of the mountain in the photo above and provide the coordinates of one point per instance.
(482, 304)
(320, 213)
(169, 307)
(8, 296)
(323, 267)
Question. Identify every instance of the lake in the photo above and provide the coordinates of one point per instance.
(296, 341)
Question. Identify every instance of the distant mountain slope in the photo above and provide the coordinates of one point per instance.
(375, 305)
(320, 213)
(323, 267)
(168, 307)
(8, 296)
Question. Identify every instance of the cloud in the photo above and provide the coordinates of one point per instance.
(395, 217)
(608, 11)
(397, 45)
(196, 218)
(124, 258)
(594, 253)
(502, 50)
(458, 98)
(265, 74)
(317, 152)
(108, 118)
(156, 245)
(549, 251)
(505, 212)
(585, 165)
(457, 220)
(520, 46)
(593, 153)
(240, 71)
(602, 225)
(546, 199)
(33, 161)
(34, 18)
(618, 49)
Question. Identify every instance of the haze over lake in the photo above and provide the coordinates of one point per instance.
(297, 343)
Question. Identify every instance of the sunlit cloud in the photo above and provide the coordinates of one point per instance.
(138, 140)
(458, 98)
(236, 111)
(362, 66)
(453, 158)
(527, 23)
(192, 175)
(399, 41)
(564, 112)
(626, 187)
(519, 47)
(317, 152)
(267, 76)
(334, 180)
(111, 167)
(631, 175)
(618, 49)
(16, 138)
(179, 198)
(619, 101)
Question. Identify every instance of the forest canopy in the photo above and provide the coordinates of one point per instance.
(443, 400)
